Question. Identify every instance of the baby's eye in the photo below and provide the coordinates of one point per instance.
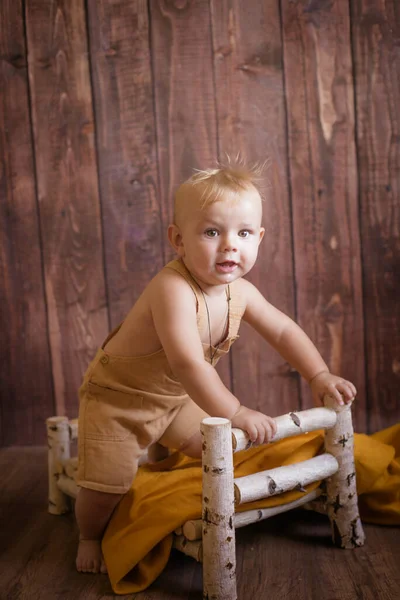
(211, 233)
(244, 233)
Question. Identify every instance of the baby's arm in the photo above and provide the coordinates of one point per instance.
(173, 307)
(294, 346)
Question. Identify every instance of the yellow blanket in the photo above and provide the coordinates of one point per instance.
(138, 540)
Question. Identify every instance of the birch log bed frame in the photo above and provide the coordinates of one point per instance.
(211, 540)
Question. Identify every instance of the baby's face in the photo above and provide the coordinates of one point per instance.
(220, 242)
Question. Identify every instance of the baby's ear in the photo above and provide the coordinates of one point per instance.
(175, 239)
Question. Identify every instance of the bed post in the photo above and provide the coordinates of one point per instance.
(219, 557)
(342, 500)
(59, 451)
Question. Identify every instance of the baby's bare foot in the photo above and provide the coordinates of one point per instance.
(90, 558)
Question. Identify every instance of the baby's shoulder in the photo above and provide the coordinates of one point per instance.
(244, 293)
(242, 288)
(168, 282)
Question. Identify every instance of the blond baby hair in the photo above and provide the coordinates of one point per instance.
(228, 179)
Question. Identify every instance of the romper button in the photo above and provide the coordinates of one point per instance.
(104, 360)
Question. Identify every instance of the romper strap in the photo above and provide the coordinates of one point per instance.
(236, 308)
(111, 335)
(178, 265)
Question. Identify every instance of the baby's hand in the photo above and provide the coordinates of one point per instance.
(337, 387)
(259, 427)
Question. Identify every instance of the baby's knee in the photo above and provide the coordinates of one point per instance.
(156, 452)
(193, 447)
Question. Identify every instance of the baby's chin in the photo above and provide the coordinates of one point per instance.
(213, 276)
(227, 275)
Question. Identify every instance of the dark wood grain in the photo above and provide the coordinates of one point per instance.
(67, 188)
(176, 84)
(289, 556)
(375, 39)
(25, 370)
(251, 120)
(123, 93)
(323, 175)
(181, 47)
(184, 94)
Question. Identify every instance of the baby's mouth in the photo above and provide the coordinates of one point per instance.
(227, 266)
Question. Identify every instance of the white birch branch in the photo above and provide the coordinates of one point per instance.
(59, 451)
(70, 467)
(68, 486)
(192, 530)
(193, 549)
(179, 530)
(143, 459)
(275, 481)
(73, 429)
(342, 499)
(289, 425)
(318, 505)
(219, 559)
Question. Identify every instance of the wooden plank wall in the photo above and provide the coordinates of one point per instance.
(323, 174)
(26, 382)
(105, 108)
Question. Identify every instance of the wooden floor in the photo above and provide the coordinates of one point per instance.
(287, 557)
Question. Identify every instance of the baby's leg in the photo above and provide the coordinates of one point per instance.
(108, 454)
(193, 446)
(156, 452)
(93, 510)
(183, 433)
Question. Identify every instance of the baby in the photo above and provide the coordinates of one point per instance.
(153, 379)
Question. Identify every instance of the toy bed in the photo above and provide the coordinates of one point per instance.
(211, 540)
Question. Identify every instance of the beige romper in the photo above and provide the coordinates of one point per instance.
(128, 403)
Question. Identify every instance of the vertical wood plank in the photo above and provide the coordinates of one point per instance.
(375, 36)
(251, 119)
(123, 92)
(184, 94)
(184, 100)
(25, 371)
(68, 192)
(323, 170)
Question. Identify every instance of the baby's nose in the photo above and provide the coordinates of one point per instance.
(229, 243)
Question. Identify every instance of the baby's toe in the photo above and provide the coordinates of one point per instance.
(95, 566)
(79, 565)
(103, 568)
(87, 568)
